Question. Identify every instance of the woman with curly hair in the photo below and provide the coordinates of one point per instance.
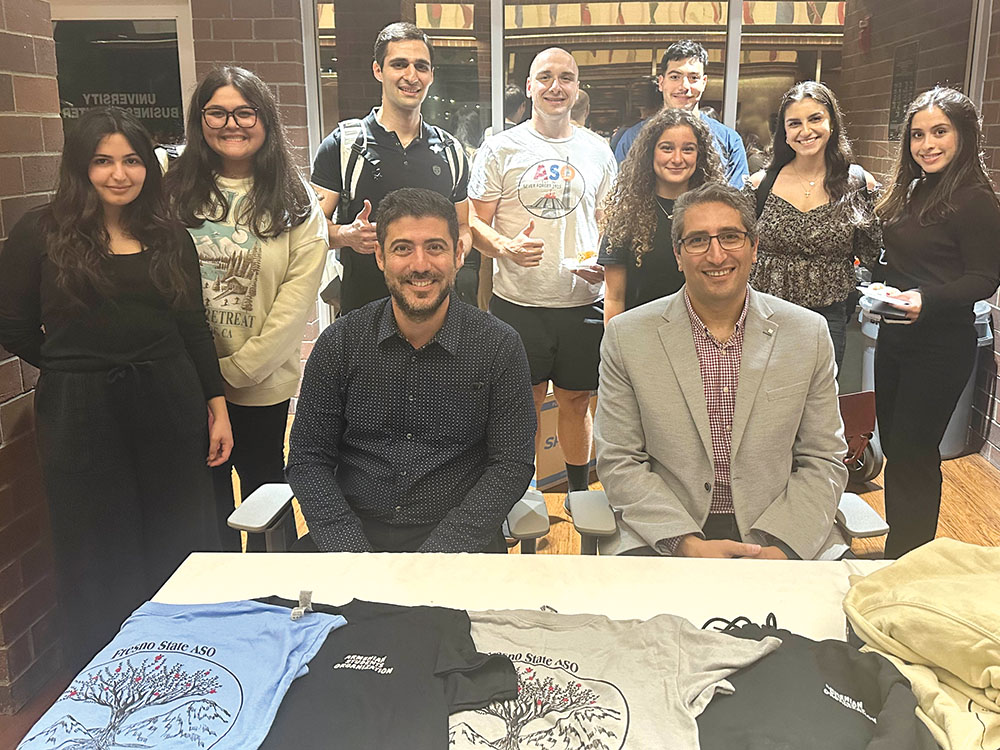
(101, 292)
(262, 242)
(942, 220)
(673, 153)
(815, 211)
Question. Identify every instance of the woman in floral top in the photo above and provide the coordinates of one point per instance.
(818, 215)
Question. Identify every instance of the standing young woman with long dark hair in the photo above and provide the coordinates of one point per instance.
(673, 153)
(817, 216)
(941, 221)
(262, 243)
(102, 292)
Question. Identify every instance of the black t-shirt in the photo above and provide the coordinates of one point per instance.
(388, 166)
(133, 322)
(658, 275)
(824, 695)
(955, 262)
(388, 679)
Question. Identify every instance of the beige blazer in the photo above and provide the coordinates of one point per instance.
(654, 447)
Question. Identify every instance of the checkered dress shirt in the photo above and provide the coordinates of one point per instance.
(720, 376)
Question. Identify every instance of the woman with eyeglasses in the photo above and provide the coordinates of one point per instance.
(673, 153)
(101, 292)
(815, 211)
(942, 224)
(262, 242)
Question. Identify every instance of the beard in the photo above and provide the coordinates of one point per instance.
(418, 310)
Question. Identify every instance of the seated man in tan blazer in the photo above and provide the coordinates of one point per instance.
(718, 432)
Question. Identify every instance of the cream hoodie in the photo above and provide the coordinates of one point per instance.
(935, 614)
(258, 293)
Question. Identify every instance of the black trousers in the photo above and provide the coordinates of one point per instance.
(258, 457)
(123, 460)
(920, 372)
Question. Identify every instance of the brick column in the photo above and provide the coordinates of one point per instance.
(30, 141)
(358, 23)
(264, 36)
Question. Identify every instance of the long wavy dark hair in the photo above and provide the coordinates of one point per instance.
(76, 238)
(631, 211)
(278, 199)
(838, 155)
(966, 168)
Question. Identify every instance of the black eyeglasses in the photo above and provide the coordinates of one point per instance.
(217, 117)
(730, 241)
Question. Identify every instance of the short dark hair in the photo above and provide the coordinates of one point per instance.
(685, 49)
(400, 31)
(513, 100)
(713, 192)
(416, 203)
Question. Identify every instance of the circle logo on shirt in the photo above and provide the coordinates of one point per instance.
(551, 189)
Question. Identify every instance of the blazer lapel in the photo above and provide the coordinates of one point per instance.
(759, 334)
(678, 344)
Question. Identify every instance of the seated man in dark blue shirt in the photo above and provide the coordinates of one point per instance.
(415, 426)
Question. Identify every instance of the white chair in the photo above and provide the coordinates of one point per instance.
(268, 511)
(594, 518)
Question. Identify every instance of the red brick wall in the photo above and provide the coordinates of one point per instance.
(264, 36)
(30, 140)
(358, 24)
(942, 31)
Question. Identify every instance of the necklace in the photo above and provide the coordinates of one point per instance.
(812, 183)
(670, 215)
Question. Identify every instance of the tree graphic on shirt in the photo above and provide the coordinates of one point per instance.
(538, 698)
(126, 689)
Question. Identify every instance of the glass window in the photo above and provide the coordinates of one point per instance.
(128, 64)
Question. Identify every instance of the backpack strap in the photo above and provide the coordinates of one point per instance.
(353, 145)
(454, 155)
(764, 189)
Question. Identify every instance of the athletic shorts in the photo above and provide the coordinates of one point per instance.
(563, 344)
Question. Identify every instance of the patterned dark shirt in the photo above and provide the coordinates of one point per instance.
(444, 434)
(807, 257)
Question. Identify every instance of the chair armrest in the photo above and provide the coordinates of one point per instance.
(263, 509)
(591, 512)
(529, 518)
(858, 519)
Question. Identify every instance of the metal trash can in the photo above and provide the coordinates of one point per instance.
(956, 436)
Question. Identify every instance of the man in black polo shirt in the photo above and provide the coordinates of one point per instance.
(415, 426)
(400, 150)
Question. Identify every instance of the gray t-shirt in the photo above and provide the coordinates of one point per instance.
(557, 183)
(588, 681)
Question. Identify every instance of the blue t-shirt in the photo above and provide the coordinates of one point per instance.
(727, 142)
(185, 676)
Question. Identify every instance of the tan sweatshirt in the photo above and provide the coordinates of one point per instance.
(258, 293)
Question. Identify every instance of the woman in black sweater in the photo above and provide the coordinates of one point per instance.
(941, 220)
(103, 294)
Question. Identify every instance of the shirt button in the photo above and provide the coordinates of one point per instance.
(399, 508)
(708, 487)
(725, 389)
(404, 473)
(406, 163)
(409, 436)
(410, 397)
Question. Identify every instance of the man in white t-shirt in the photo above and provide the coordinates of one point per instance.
(536, 190)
